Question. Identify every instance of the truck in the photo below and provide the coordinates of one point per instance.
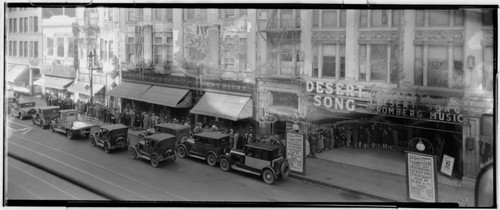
(67, 122)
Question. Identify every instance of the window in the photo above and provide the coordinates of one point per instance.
(101, 49)
(15, 25)
(444, 66)
(14, 48)
(169, 14)
(21, 49)
(60, 47)
(35, 24)
(439, 18)
(10, 25)
(284, 99)
(190, 14)
(488, 68)
(21, 25)
(158, 14)
(379, 18)
(130, 15)
(229, 13)
(487, 17)
(26, 49)
(329, 18)
(110, 51)
(250, 152)
(326, 60)
(378, 62)
(130, 49)
(25, 25)
(31, 49)
(35, 52)
(162, 49)
(110, 14)
(140, 14)
(31, 24)
(10, 48)
(70, 47)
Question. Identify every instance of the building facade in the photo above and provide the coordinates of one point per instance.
(23, 48)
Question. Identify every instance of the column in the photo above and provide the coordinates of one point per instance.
(352, 46)
(472, 47)
(178, 41)
(306, 41)
(408, 21)
(252, 41)
(148, 45)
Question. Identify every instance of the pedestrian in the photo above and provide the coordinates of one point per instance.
(236, 139)
(385, 137)
(348, 137)
(145, 121)
(320, 143)
(395, 138)
(328, 138)
(231, 138)
(312, 143)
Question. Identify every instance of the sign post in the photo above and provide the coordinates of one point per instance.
(421, 177)
(295, 152)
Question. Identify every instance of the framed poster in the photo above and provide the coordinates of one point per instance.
(295, 152)
(447, 165)
(421, 177)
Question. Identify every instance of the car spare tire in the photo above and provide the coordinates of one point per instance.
(285, 169)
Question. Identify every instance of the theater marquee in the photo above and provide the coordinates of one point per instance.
(389, 102)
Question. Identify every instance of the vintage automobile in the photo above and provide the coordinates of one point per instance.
(155, 148)
(44, 115)
(110, 137)
(206, 146)
(11, 101)
(181, 132)
(261, 159)
(67, 122)
(22, 110)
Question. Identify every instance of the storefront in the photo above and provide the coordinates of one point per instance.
(55, 86)
(81, 91)
(18, 77)
(381, 121)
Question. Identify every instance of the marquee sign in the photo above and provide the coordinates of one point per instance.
(394, 103)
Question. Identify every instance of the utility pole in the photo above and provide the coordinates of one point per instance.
(92, 29)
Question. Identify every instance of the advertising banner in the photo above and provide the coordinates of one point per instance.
(295, 152)
(421, 177)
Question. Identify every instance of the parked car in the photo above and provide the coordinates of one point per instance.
(22, 110)
(261, 159)
(206, 146)
(67, 122)
(11, 101)
(181, 132)
(110, 137)
(44, 115)
(155, 148)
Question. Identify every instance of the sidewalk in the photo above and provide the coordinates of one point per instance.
(388, 187)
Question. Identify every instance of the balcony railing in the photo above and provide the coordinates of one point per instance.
(279, 24)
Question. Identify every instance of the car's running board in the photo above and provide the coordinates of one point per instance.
(244, 170)
(197, 156)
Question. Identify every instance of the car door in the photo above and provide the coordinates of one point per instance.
(199, 146)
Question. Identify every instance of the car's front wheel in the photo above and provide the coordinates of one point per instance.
(211, 160)
(154, 161)
(133, 154)
(285, 170)
(92, 141)
(181, 152)
(70, 134)
(268, 176)
(106, 148)
(224, 164)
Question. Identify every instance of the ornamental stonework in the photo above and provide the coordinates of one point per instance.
(328, 35)
(439, 34)
(379, 35)
(488, 34)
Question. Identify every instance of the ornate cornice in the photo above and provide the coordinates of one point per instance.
(439, 34)
(328, 35)
(379, 35)
(488, 34)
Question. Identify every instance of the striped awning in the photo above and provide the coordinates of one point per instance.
(129, 90)
(172, 97)
(224, 106)
(84, 88)
(53, 82)
(15, 72)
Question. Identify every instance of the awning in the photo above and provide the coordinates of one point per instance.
(172, 97)
(129, 90)
(20, 89)
(84, 88)
(224, 106)
(15, 72)
(53, 82)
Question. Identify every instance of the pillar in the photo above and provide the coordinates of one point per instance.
(408, 22)
(148, 45)
(178, 41)
(352, 46)
(306, 41)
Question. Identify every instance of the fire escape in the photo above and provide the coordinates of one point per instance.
(281, 31)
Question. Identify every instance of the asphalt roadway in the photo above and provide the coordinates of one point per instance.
(84, 170)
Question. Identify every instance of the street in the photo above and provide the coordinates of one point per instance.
(123, 178)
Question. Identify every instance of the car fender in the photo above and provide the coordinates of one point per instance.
(270, 168)
(185, 148)
(217, 157)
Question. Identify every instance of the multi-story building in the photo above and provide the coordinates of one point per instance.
(24, 43)
(56, 66)
(385, 76)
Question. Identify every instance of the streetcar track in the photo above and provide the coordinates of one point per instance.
(102, 167)
(55, 187)
(22, 188)
(106, 181)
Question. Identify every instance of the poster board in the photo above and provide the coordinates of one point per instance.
(295, 152)
(421, 177)
(447, 165)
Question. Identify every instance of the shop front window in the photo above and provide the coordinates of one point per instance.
(284, 99)
(60, 47)
(438, 70)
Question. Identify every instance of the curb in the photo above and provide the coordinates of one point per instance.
(324, 184)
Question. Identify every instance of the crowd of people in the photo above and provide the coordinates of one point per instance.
(374, 135)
